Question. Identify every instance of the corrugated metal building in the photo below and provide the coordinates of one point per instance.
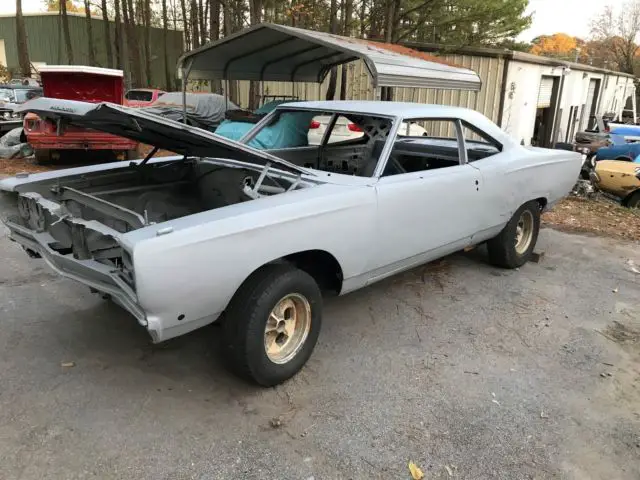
(537, 100)
(46, 43)
(543, 100)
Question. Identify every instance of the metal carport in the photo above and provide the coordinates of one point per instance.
(269, 52)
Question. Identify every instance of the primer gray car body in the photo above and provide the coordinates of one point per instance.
(180, 274)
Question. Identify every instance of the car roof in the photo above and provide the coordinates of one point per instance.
(406, 110)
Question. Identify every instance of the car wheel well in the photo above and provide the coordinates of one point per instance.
(542, 202)
(625, 200)
(322, 266)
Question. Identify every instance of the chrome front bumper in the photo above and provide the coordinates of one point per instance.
(94, 274)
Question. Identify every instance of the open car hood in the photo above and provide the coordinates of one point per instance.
(151, 129)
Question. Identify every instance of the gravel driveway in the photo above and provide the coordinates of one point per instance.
(470, 371)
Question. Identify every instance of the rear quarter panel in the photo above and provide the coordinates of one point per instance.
(617, 177)
(519, 174)
(195, 270)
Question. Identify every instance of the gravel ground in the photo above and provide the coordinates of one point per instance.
(470, 371)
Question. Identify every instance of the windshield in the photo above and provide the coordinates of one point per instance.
(26, 94)
(139, 95)
(344, 143)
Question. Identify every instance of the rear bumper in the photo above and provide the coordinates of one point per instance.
(79, 141)
(88, 272)
(81, 145)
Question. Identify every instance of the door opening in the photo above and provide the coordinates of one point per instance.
(546, 107)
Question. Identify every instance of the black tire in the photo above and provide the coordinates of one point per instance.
(42, 156)
(246, 318)
(634, 200)
(502, 248)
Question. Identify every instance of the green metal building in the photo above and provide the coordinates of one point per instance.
(46, 44)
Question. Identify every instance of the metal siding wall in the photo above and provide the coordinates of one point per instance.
(44, 35)
(359, 87)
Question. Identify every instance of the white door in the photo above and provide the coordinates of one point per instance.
(500, 188)
(545, 92)
(429, 202)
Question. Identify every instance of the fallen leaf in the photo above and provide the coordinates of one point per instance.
(68, 364)
(416, 473)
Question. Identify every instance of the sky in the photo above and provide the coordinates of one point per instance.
(549, 16)
(572, 17)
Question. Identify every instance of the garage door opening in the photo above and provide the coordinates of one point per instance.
(545, 108)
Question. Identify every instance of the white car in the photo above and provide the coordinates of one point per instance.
(255, 238)
(347, 130)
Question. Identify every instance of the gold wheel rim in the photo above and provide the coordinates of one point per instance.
(287, 328)
(524, 232)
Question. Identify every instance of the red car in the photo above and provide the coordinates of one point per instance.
(142, 97)
(51, 140)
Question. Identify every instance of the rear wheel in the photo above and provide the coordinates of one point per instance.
(272, 324)
(513, 246)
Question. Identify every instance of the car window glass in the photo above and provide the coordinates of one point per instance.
(478, 144)
(423, 145)
(139, 95)
(6, 94)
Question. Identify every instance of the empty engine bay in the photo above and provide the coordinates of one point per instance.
(159, 192)
(75, 210)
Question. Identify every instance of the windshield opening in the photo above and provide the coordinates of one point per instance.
(345, 143)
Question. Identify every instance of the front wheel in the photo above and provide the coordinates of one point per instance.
(272, 324)
(514, 245)
(634, 200)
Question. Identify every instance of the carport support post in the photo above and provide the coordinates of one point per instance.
(185, 76)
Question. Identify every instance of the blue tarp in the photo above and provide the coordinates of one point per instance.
(290, 130)
(234, 130)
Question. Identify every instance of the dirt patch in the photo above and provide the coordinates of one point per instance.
(10, 167)
(598, 217)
